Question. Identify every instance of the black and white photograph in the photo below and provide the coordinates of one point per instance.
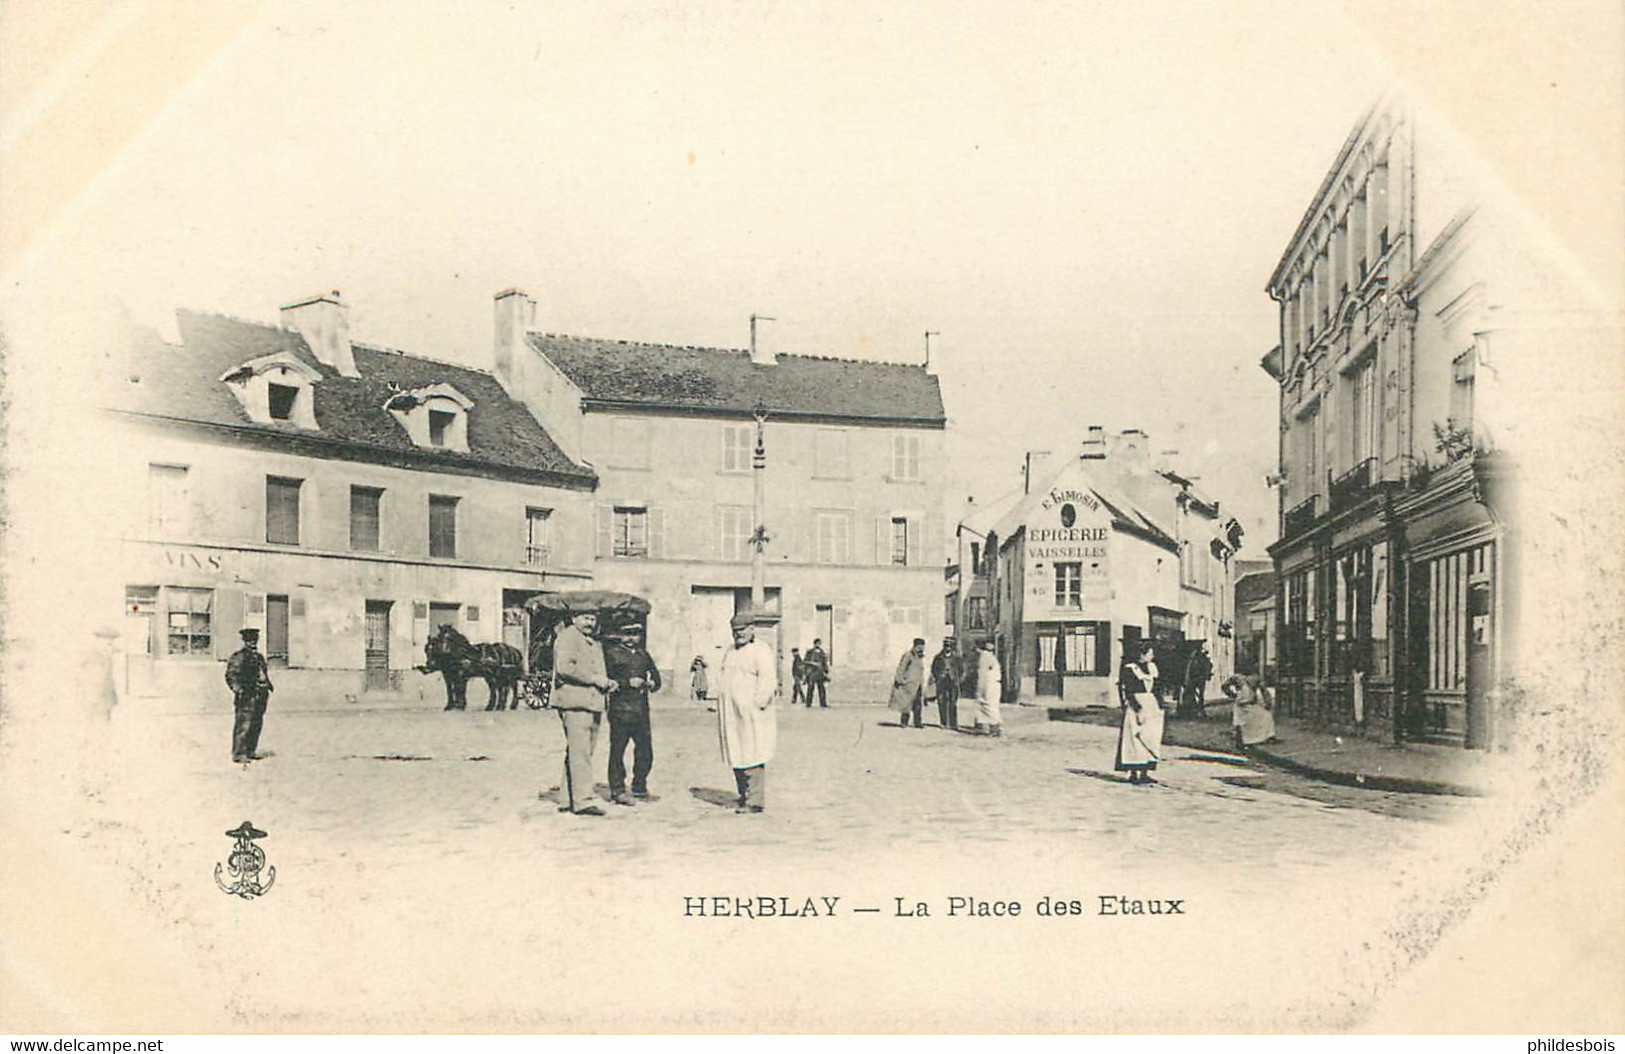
(901, 518)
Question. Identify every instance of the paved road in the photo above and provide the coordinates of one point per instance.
(421, 878)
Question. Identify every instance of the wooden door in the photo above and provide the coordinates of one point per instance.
(376, 645)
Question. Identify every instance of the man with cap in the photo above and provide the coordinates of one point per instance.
(815, 668)
(580, 683)
(907, 686)
(747, 724)
(633, 671)
(249, 679)
(946, 673)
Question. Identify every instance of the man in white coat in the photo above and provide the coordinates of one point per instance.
(747, 724)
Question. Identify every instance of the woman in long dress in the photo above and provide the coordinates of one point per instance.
(1250, 714)
(1139, 742)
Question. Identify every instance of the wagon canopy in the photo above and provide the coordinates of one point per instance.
(595, 600)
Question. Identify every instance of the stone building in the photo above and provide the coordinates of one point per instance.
(1416, 314)
(853, 486)
(1090, 555)
(342, 498)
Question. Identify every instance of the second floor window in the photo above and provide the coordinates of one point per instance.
(737, 527)
(976, 613)
(738, 443)
(167, 501)
(442, 526)
(899, 540)
(538, 536)
(1461, 392)
(834, 538)
(1363, 413)
(905, 458)
(1069, 585)
(629, 536)
(282, 510)
(364, 502)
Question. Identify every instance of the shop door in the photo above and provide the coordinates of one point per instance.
(377, 646)
(139, 637)
(1480, 663)
(276, 630)
(1048, 672)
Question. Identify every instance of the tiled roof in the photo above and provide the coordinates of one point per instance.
(1126, 516)
(1254, 586)
(183, 382)
(670, 377)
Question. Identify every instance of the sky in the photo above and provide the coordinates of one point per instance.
(1083, 200)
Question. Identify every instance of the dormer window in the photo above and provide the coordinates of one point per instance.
(282, 398)
(275, 390)
(435, 416)
(440, 424)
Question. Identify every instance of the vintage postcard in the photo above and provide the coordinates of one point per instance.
(781, 518)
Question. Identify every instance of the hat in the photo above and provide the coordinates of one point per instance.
(250, 634)
(742, 619)
(919, 640)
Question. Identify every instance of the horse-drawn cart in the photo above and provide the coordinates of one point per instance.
(550, 611)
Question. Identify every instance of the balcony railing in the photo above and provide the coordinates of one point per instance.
(1301, 517)
(1352, 486)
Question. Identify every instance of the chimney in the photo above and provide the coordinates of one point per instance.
(515, 314)
(761, 347)
(1036, 460)
(1129, 446)
(324, 322)
(932, 362)
(1094, 445)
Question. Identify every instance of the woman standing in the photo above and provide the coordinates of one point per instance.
(1139, 743)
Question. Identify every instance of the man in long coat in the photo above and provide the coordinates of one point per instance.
(747, 723)
(909, 684)
(249, 679)
(580, 684)
(946, 673)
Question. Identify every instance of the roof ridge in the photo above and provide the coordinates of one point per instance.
(383, 350)
(236, 318)
(721, 350)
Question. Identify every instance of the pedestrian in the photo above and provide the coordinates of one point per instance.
(908, 685)
(798, 679)
(946, 671)
(815, 664)
(699, 684)
(580, 683)
(1251, 718)
(1139, 741)
(747, 724)
(989, 686)
(628, 664)
(249, 679)
(1198, 670)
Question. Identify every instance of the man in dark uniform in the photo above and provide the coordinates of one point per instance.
(249, 679)
(947, 672)
(628, 664)
(798, 679)
(815, 665)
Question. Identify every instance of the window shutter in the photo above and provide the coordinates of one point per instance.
(883, 540)
(657, 533)
(1103, 648)
(915, 557)
(606, 521)
(226, 621)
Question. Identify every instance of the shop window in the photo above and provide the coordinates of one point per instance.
(282, 510)
(188, 617)
(442, 526)
(1088, 649)
(1448, 578)
(364, 504)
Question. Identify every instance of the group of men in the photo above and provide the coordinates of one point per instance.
(914, 684)
(808, 674)
(616, 675)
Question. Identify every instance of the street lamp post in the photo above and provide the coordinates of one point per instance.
(766, 622)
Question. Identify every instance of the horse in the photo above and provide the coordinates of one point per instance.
(501, 666)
